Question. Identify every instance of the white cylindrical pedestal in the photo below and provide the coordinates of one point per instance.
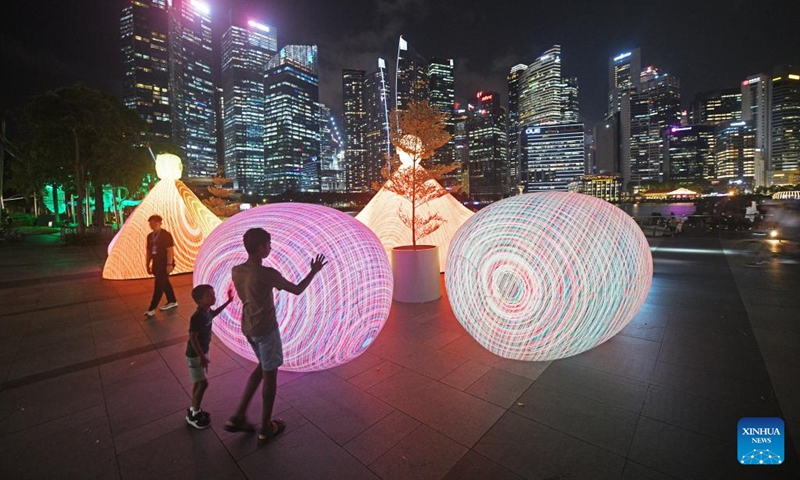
(416, 273)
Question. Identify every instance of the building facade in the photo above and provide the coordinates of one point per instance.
(540, 96)
(487, 143)
(784, 120)
(411, 76)
(377, 97)
(441, 94)
(689, 152)
(247, 47)
(552, 156)
(355, 118)
(716, 106)
(735, 151)
(607, 187)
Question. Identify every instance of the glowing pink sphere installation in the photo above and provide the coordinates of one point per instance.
(547, 275)
(340, 313)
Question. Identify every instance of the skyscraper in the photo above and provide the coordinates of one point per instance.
(514, 77)
(756, 97)
(735, 151)
(144, 28)
(191, 86)
(689, 152)
(441, 93)
(377, 95)
(411, 76)
(717, 106)
(292, 121)
(623, 77)
(488, 158)
(247, 46)
(333, 176)
(570, 107)
(541, 90)
(355, 123)
(785, 120)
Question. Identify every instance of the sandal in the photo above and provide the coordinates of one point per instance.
(278, 426)
(238, 425)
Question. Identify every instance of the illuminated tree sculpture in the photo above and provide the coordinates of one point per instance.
(412, 201)
(221, 201)
(344, 308)
(547, 275)
(185, 217)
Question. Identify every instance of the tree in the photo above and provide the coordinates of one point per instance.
(86, 132)
(417, 132)
(220, 203)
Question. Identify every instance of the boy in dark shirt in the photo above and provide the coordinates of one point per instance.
(197, 350)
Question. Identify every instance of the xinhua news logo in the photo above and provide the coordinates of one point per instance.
(761, 441)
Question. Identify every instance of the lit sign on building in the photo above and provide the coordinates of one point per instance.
(533, 131)
(257, 25)
(201, 7)
(622, 56)
(487, 98)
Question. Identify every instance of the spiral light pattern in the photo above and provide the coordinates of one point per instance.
(340, 313)
(185, 217)
(547, 275)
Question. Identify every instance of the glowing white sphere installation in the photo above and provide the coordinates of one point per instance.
(340, 313)
(547, 275)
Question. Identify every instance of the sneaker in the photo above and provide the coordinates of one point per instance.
(197, 420)
(150, 313)
(169, 306)
(204, 414)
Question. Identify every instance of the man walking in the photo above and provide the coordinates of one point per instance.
(160, 263)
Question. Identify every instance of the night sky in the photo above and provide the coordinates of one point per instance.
(710, 44)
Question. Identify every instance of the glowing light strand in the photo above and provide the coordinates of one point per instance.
(344, 308)
(548, 275)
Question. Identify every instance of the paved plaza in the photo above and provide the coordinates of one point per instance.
(90, 388)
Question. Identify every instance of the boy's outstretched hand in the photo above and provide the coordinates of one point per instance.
(318, 263)
(230, 294)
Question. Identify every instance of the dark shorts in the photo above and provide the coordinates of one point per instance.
(268, 350)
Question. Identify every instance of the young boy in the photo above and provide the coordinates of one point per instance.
(254, 283)
(197, 350)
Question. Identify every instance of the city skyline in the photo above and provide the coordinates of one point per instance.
(72, 42)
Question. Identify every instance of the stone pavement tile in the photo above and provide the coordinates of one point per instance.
(48, 335)
(305, 453)
(533, 450)
(43, 358)
(163, 328)
(634, 471)
(149, 432)
(78, 445)
(242, 444)
(473, 466)
(793, 427)
(468, 347)
(15, 326)
(734, 339)
(499, 387)
(710, 385)
(684, 454)
(376, 374)
(708, 417)
(29, 405)
(777, 318)
(125, 368)
(787, 391)
(143, 398)
(379, 438)
(614, 390)
(360, 364)
(643, 331)
(652, 315)
(182, 453)
(411, 329)
(458, 415)
(427, 361)
(423, 454)
(111, 346)
(627, 357)
(442, 339)
(465, 375)
(335, 406)
(594, 422)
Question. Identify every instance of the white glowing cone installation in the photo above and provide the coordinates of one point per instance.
(185, 217)
(381, 216)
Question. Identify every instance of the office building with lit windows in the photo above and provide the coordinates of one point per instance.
(247, 46)
(735, 151)
(333, 177)
(411, 76)
(191, 86)
(689, 152)
(756, 96)
(607, 187)
(540, 96)
(623, 77)
(488, 157)
(441, 96)
(785, 120)
(144, 29)
(355, 123)
(377, 97)
(291, 133)
(552, 156)
(716, 106)
(514, 77)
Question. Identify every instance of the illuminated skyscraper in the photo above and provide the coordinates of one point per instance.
(552, 156)
(411, 76)
(689, 152)
(292, 121)
(541, 90)
(247, 46)
(355, 123)
(488, 157)
(441, 93)
(333, 176)
(735, 152)
(623, 77)
(192, 86)
(570, 107)
(377, 95)
(785, 120)
(717, 106)
(514, 77)
(144, 28)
